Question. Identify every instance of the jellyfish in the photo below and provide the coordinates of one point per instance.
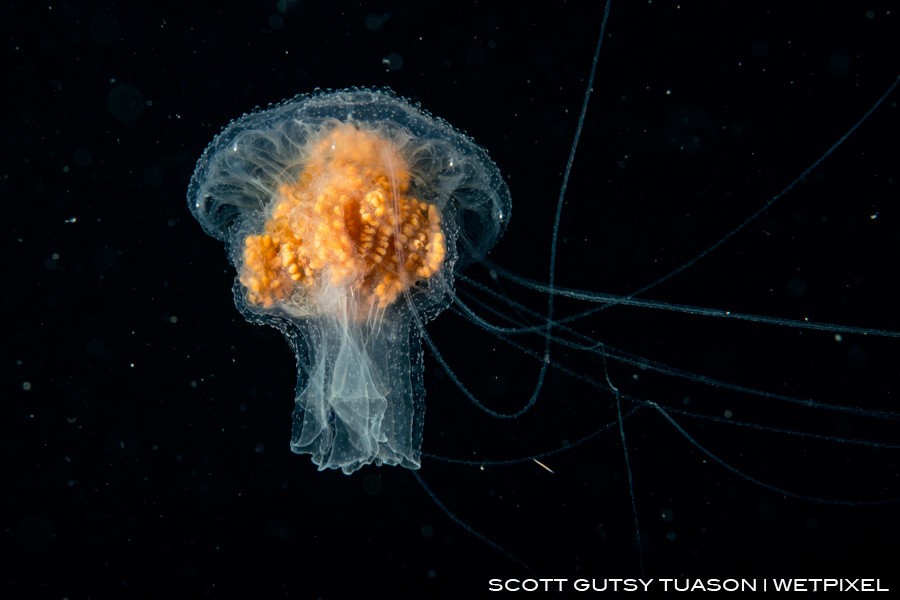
(738, 408)
(345, 214)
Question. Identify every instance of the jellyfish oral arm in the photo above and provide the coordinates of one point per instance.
(354, 406)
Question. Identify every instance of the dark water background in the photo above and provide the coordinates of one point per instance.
(148, 424)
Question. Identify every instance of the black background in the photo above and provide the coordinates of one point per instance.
(148, 423)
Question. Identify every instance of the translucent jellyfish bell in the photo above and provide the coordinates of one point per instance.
(345, 214)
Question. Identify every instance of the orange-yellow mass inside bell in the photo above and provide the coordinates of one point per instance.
(348, 221)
